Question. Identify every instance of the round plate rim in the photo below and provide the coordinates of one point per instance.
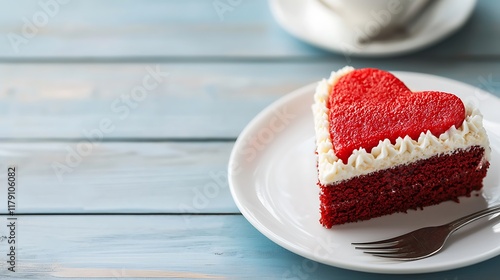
(306, 90)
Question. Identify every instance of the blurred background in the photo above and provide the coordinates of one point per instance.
(132, 107)
(65, 59)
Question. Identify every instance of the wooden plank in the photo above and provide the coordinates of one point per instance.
(118, 177)
(133, 28)
(201, 247)
(190, 100)
(194, 100)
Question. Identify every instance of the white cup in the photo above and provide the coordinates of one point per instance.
(371, 17)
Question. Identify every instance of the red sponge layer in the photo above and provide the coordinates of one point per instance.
(398, 189)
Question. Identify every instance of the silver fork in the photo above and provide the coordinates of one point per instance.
(420, 243)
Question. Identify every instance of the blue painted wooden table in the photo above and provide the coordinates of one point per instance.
(116, 114)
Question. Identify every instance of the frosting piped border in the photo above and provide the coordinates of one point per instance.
(386, 154)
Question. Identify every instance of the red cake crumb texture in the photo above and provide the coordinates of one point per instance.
(416, 185)
(369, 105)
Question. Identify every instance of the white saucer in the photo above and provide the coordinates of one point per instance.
(302, 19)
(272, 178)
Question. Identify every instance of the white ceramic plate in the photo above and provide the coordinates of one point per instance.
(272, 176)
(305, 21)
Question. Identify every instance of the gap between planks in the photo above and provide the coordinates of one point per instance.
(121, 140)
(327, 57)
(125, 214)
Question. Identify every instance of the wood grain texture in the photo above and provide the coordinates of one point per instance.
(119, 177)
(192, 100)
(128, 29)
(194, 247)
(131, 28)
(69, 84)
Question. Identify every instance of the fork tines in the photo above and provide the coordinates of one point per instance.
(397, 248)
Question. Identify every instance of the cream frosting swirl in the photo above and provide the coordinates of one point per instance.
(386, 154)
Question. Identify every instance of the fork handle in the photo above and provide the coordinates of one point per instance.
(458, 223)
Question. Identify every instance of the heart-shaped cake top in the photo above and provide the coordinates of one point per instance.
(370, 105)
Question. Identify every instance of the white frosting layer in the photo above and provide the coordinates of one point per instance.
(386, 155)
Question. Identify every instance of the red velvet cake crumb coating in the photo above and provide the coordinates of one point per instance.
(369, 105)
(411, 186)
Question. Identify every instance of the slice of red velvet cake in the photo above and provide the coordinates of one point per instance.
(384, 149)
